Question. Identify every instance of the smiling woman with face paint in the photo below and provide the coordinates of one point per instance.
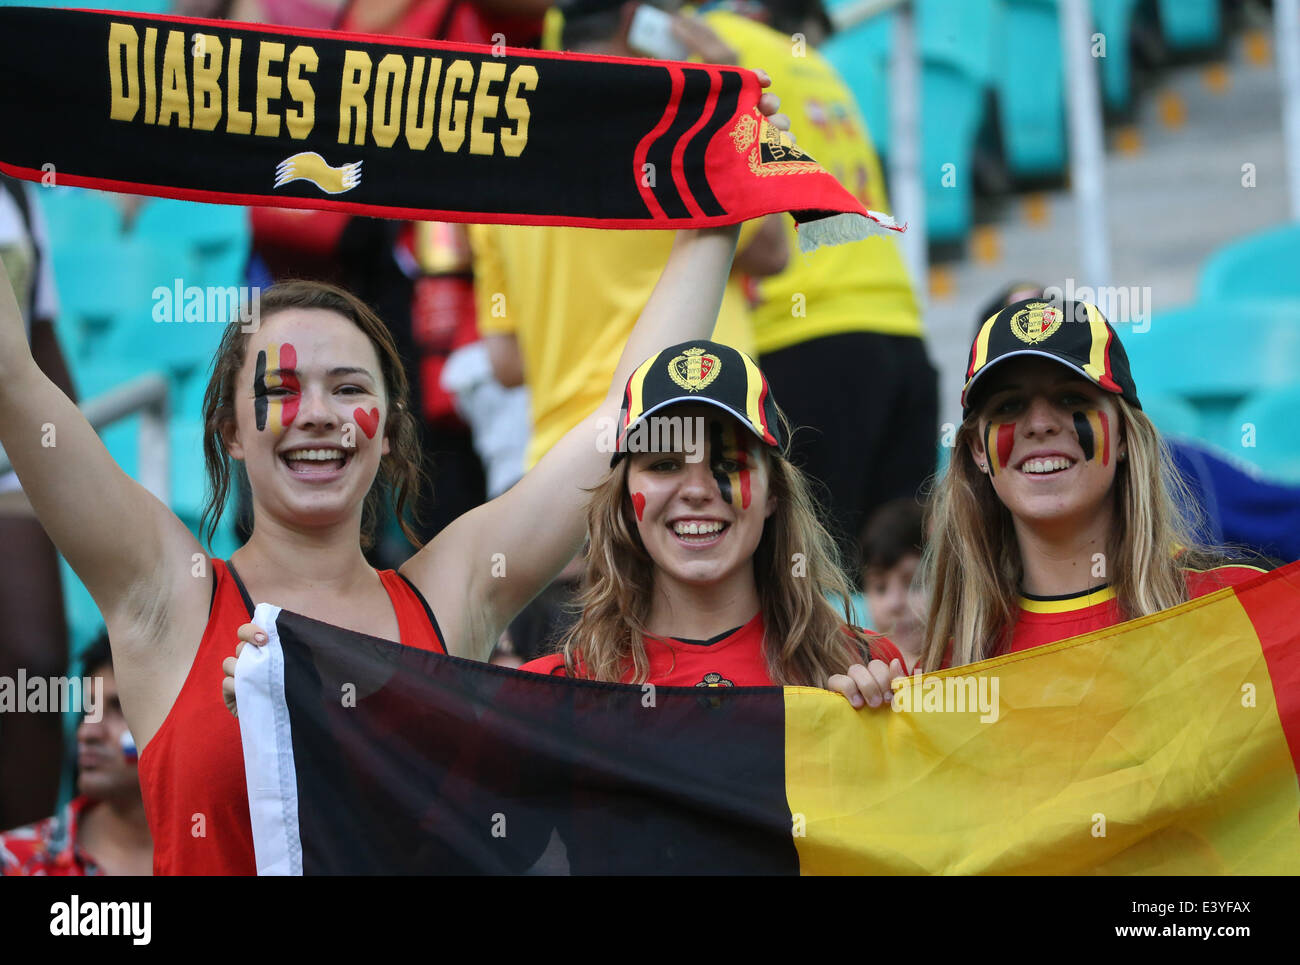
(313, 406)
(1058, 515)
(707, 565)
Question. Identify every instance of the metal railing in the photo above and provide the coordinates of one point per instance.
(148, 395)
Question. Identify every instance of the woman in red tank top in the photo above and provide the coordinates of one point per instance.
(707, 564)
(312, 403)
(1061, 512)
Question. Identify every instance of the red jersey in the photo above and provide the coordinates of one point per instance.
(1045, 620)
(192, 772)
(49, 847)
(734, 661)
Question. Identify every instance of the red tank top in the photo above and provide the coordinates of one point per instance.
(192, 772)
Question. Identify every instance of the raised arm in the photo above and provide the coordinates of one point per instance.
(127, 547)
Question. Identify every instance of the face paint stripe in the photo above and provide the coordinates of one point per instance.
(1087, 441)
(1006, 442)
(715, 442)
(1105, 438)
(988, 448)
(743, 459)
(638, 504)
(259, 391)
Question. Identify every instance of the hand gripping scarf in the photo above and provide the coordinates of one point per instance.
(239, 113)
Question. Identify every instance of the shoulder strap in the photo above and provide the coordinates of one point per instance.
(428, 611)
(248, 602)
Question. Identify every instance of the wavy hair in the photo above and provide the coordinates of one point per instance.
(400, 475)
(799, 587)
(972, 567)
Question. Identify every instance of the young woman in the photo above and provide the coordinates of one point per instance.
(314, 405)
(1058, 513)
(707, 564)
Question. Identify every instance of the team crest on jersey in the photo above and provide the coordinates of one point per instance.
(694, 369)
(1036, 321)
(715, 680)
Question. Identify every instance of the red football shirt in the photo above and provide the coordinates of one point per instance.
(1045, 620)
(734, 661)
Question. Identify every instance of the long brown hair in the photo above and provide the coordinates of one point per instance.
(972, 567)
(400, 475)
(805, 638)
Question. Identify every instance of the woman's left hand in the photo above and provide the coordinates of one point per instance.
(869, 686)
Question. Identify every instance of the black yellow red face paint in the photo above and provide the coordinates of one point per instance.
(276, 368)
(727, 444)
(1092, 425)
(999, 440)
(368, 421)
(638, 503)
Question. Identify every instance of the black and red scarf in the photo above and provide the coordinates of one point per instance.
(242, 113)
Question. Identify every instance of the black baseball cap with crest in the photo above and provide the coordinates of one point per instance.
(705, 372)
(1076, 334)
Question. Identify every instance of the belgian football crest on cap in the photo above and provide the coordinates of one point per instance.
(1076, 334)
(704, 372)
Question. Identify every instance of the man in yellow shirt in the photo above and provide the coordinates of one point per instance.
(556, 304)
(839, 330)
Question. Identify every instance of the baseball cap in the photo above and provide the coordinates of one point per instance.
(1076, 334)
(704, 372)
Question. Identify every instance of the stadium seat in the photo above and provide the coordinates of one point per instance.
(1031, 88)
(961, 32)
(1189, 24)
(1114, 20)
(1215, 355)
(78, 216)
(952, 104)
(1172, 416)
(1268, 420)
(1262, 265)
(219, 236)
(861, 56)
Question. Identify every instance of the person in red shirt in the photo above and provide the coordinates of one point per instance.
(103, 831)
(1058, 514)
(707, 565)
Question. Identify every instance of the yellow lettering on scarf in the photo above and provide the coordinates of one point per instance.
(175, 89)
(352, 97)
(237, 121)
(419, 124)
(525, 77)
(301, 121)
(123, 84)
(485, 106)
(451, 120)
(268, 88)
(207, 83)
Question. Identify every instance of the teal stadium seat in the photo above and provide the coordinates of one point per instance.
(1031, 89)
(860, 55)
(1173, 416)
(77, 215)
(219, 236)
(1270, 419)
(1189, 24)
(1263, 265)
(1114, 20)
(1215, 355)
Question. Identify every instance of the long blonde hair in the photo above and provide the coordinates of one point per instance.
(972, 568)
(804, 639)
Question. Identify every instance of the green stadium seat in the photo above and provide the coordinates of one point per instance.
(1262, 265)
(1268, 419)
(961, 32)
(951, 108)
(1189, 24)
(1031, 89)
(1215, 355)
(78, 216)
(861, 56)
(1114, 20)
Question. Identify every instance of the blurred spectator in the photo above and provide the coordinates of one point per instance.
(31, 590)
(103, 831)
(839, 330)
(891, 547)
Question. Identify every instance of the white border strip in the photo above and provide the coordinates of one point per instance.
(268, 751)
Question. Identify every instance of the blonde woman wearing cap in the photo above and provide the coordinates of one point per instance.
(707, 565)
(1058, 514)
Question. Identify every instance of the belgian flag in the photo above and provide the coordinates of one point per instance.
(1167, 745)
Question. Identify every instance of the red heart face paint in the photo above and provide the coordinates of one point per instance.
(725, 442)
(638, 503)
(999, 440)
(368, 421)
(276, 369)
(1092, 425)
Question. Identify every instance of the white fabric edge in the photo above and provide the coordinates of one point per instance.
(268, 751)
